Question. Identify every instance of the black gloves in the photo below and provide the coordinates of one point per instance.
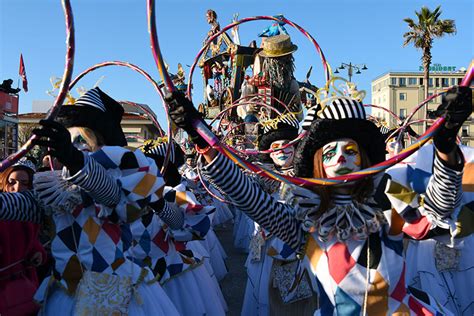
(57, 138)
(456, 107)
(183, 113)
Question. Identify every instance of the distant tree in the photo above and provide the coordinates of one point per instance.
(421, 34)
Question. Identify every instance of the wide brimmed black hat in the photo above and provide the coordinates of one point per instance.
(284, 127)
(339, 117)
(97, 111)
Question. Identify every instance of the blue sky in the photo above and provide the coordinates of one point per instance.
(365, 31)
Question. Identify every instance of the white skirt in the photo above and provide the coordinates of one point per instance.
(216, 253)
(195, 293)
(154, 302)
(244, 228)
(256, 296)
(223, 213)
(453, 288)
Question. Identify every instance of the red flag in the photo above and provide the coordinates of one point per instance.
(22, 73)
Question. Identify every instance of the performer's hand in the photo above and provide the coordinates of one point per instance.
(456, 107)
(183, 114)
(58, 140)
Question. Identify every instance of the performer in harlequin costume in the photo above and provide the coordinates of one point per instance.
(441, 265)
(351, 248)
(210, 247)
(165, 251)
(271, 262)
(101, 185)
(272, 134)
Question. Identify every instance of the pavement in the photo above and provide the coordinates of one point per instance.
(233, 285)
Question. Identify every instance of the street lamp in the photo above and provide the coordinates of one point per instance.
(350, 69)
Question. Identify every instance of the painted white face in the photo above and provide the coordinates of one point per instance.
(393, 147)
(282, 158)
(79, 141)
(341, 157)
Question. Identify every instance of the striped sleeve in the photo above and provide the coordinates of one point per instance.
(272, 215)
(93, 179)
(171, 216)
(161, 149)
(444, 191)
(20, 207)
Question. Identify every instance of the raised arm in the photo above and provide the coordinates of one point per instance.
(229, 180)
(20, 207)
(444, 190)
(248, 196)
(93, 179)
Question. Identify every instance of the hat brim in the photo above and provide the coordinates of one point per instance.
(324, 131)
(267, 139)
(263, 53)
(96, 120)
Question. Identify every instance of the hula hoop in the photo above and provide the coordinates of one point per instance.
(212, 140)
(149, 114)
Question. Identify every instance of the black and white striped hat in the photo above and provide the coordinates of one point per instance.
(336, 108)
(97, 111)
(337, 118)
(91, 98)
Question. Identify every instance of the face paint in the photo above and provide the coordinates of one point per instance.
(282, 158)
(78, 140)
(341, 157)
(393, 147)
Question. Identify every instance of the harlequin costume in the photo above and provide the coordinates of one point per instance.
(209, 247)
(152, 243)
(270, 261)
(441, 265)
(114, 186)
(356, 263)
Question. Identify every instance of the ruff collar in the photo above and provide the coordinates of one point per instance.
(346, 219)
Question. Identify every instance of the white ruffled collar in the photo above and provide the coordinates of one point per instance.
(346, 219)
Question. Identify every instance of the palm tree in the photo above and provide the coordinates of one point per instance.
(421, 34)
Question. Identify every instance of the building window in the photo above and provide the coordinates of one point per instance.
(393, 81)
(453, 81)
(411, 81)
(465, 131)
(445, 82)
(403, 82)
(437, 82)
(459, 81)
(403, 113)
(421, 81)
(402, 96)
(430, 82)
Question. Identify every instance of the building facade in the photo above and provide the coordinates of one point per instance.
(8, 123)
(402, 92)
